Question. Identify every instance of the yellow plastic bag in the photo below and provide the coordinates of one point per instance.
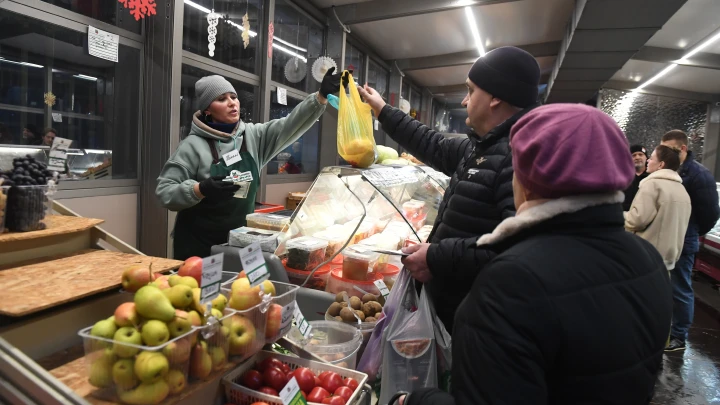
(355, 141)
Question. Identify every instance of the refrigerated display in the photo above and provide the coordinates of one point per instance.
(708, 258)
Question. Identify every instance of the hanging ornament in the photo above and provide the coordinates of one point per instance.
(139, 8)
(295, 70)
(321, 66)
(246, 30)
(212, 20)
(50, 98)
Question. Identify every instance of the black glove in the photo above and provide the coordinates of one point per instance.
(331, 82)
(214, 188)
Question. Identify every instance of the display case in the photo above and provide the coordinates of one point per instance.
(83, 164)
(708, 259)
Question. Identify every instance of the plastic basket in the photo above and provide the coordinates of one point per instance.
(249, 323)
(3, 206)
(239, 395)
(101, 355)
(284, 298)
(27, 207)
(218, 346)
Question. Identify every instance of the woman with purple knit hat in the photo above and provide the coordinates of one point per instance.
(575, 310)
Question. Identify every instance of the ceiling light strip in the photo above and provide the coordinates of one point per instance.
(474, 29)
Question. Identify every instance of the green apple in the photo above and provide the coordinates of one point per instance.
(101, 375)
(151, 303)
(123, 373)
(180, 296)
(242, 334)
(124, 336)
(151, 366)
(195, 318)
(176, 381)
(105, 329)
(180, 325)
(219, 303)
(155, 333)
(146, 394)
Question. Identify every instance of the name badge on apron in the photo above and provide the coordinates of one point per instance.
(232, 157)
(243, 190)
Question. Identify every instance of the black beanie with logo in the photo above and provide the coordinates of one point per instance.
(508, 73)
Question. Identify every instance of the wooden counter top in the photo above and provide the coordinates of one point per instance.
(55, 225)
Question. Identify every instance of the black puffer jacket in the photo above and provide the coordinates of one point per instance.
(478, 198)
(574, 311)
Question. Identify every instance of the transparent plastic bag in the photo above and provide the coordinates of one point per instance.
(443, 341)
(409, 350)
(355, 140)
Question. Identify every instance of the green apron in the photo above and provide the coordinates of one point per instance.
(208, 223)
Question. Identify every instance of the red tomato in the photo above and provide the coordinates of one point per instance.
(344, 392)
(351, 382)
(318, 394)
(285, 368)
(269, 391)
(332, 381)
(318, 382)
(305, 379)
(323, 374)
(269, 361)
(259, 403)
(334, 401)
(274, 378)
(252, 379)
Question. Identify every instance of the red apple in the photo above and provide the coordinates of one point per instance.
(273, 321)
(332, 381)
(351, 382)
(136, 276)
(344, 392)
(269, 391)
(252, 379)
(274, 378)
(318, 394)
(192, 268)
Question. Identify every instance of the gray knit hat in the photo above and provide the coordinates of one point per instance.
(208, 88)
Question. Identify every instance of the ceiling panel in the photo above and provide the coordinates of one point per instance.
(514, 23)
(330, 3)
(693, 22)
(638, 71)
(692, 79)
(444, 76)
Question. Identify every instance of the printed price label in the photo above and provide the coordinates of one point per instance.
(384, 291)
(57, 117)
(254, 265)
(282, 96)
(376, 124)
(302, 324)
(58, 154)
(286, 316)
(103, 44)
(290, 394)
(389, 177)
(211, 277)
(232, 157)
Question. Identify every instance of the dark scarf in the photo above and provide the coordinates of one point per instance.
(219, 126)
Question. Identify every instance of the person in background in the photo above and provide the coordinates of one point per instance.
(502, 87)
(575, 310)
(5, 137)
(30, 135)
(192, 181)
(701, 187)
(639, 156)
(49, 137)
(661, 209)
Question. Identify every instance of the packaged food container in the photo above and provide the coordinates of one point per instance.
(382, 241)
(280, 313)
(335, 342)
(318, 281)
(424, 232)
(413, 208)
(399, 228)
(246, 236)
(103, 355)
(246, 328)
(26, 208)
(335, 240)
(270, 222)
(418, 222)
(389, 273)
(365, 328)
(338, 283)
(3, 206)
(357, 262)
(363, 231)
(305, 253)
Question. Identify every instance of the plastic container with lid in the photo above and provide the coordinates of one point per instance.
(357, 262)
(318, 281)
(399, 228)
(336, 342)
(335, 240)
(271, 222)
(386, 241)
(338, 283)
(413, 208)
(26, 207)
(246, 236)
(305, 253)
(363, 231)
(389, 273)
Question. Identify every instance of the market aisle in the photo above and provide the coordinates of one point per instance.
(693, 377)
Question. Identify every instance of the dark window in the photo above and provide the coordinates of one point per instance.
(355, 61)
(378, 79)
(300, 157)
(108, 11)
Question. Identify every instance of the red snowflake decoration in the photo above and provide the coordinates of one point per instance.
(139, 8)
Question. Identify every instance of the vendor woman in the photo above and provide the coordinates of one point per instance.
(193, 179)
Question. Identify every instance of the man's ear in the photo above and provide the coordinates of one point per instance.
(494, 102)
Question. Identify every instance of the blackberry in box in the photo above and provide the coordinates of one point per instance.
(305, 253)
(27, 198)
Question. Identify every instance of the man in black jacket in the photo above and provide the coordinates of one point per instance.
(502, 87)
(639, 156)
(700, 185)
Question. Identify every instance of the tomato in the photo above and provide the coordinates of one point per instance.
(334, 401)
(318, 382)
(351, 382)
(323, 374)
(305, 378)
(252, 379)
(344, 392)
(318, 394)
(285, 368)
(303, 394)
(269, 361)
(259, 403)
(274, 378)
(331, 382)
(269, 391)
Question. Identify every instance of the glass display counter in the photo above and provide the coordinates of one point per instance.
(83, 164)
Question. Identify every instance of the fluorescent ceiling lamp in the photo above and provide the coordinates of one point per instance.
(91, 78)
(197, 6)
(657, 76)
(21, 63)
(289, 52)
(474, 30)
(97, 151)
(282, 41)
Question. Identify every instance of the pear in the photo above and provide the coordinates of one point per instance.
(189, 281)
(146, 394)
(180, 296)
(174, 280)
(217, 314)
(195, 318)
(128, 335)
(220, 302)
(123, 374)
(151, 367)
(104, 329)
(151, 303)
(101, 375)
(218, 356)
(155, 333)
(176, 381)
(200, 362)
(196, 304)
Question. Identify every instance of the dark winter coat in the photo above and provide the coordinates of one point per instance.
(575, 311)
(478, 198)
(632, 190)
(700, 185)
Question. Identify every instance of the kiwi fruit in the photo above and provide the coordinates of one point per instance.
(378, 315)
(347, 315)
(334, 309)
(343, 304)
(337, 318)
(370, 319)
(360, 315)
(368, 309)
(374, 306)
(369, 297)
(339, 297)
(355, 303)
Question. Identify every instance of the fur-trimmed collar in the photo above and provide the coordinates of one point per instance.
(214, 133)
(539, 213)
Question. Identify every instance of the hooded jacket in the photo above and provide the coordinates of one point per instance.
(660, 214)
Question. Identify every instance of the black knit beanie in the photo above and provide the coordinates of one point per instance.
(638, 148)
(508, 73)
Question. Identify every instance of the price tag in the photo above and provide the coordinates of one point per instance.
(290, 394)
(254, 265)
(211, 277)
(232, 157)
(282, 96)
(380, 284)
(389, 177)
(302, 324)
(58, 154)
(376, 125)
(286, 316)
(57, 117)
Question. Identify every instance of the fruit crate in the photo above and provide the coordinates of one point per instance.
(3, 206)
(146, 371)
(282, 307)
(239, 395)
(27, 206)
